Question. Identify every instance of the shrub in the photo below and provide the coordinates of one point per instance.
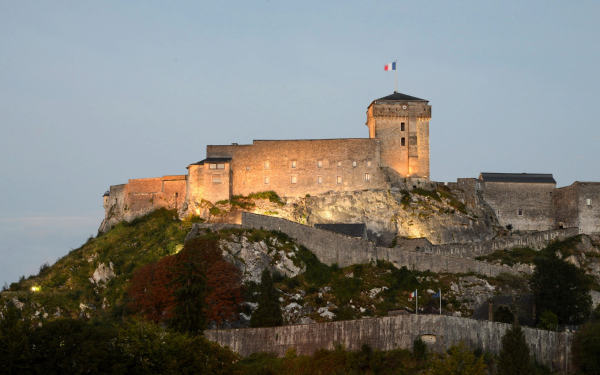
(514, 353)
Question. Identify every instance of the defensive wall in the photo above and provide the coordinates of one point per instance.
(438, 331)
(536, 241)
(332, 248)
(578, 205)
(294, 168)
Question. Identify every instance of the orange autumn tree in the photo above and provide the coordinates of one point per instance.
(152, 286)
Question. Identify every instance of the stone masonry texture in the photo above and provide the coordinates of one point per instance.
(550, 348)
(333, 248)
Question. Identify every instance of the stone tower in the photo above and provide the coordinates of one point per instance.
(401, 123)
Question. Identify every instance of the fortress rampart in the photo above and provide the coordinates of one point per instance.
(439, 331)
(332, 248)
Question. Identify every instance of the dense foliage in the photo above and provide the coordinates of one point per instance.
(561, 288)
(268, 312)
(514, 354)
(586, 348)
(69, 346)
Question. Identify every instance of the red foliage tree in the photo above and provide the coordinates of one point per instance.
(151, 288)
(151, 291)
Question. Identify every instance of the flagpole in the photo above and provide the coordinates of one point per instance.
(440, 301)
(416, 302)
(396, 75)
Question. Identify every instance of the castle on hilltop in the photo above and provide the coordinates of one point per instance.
(395, 155)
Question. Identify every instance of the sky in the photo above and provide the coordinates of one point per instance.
(95, 93)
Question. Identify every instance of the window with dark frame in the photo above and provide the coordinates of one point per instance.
(402, 126)
(402, 141)
(519, 212)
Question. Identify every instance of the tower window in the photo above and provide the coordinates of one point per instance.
(339, 163)
(401, 126)
(216, 179)
(368, 163)
(294, 179)
(267, 164)
(319, 179)
(339, 179)
(216, 166)
(519, 212)
(588, 201)
(367, 177)
(293, 163)
(319, 163)
(266, 180)
(402, 141)
(354, 164)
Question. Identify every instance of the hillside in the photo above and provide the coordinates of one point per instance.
(91, 281)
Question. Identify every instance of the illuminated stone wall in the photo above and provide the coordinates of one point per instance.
(571, 208)
(333, 248)
(392, 332)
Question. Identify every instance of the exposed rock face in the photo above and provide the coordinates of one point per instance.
(103, 274)
(386, 216)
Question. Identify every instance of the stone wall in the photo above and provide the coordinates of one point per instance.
(297, 168)
(403, 129)
(141, 196)
(578, 205)
(536, 241)
(525, 206)
(336, 248)
(392, 332)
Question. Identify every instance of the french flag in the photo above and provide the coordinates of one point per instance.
(413, 294)
(390, 66)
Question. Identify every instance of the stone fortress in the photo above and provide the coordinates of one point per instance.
(395, 155)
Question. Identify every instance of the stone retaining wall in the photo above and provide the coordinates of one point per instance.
(344, 250)
(536, 241)
(439, 331)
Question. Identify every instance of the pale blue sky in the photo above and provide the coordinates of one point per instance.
(95, 93)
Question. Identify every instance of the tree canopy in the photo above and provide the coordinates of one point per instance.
(514, 358)
(268, 313)
(561, 288)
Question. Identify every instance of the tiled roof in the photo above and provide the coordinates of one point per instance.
(212, 160)
(537, 178)
(396, 96)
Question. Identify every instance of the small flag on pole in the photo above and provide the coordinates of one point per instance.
(413, 294)
(390, 66)
(436, 295)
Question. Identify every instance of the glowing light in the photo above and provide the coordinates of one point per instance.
(35, 288)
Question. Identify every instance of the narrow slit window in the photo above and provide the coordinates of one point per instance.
(216, 179)
(588, 201)
(319, 179)
(294, 179)
(368, 163)
(339, 179)
(402, 141)
(401, 126)
(293, 163)
(519, 212)
(319, 163)
(367, 177)
(266, 180)
(267, 164)
(339, 163)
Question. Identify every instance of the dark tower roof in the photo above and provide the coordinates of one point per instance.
(537, 178)
(396, 96)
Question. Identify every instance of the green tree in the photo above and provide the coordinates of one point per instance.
(514, 358)
(14, 341)
(189, 312)
(548, 320)
(561, 288)
(458, 360)
(268, 312)
(586, 349)
(69, 346)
